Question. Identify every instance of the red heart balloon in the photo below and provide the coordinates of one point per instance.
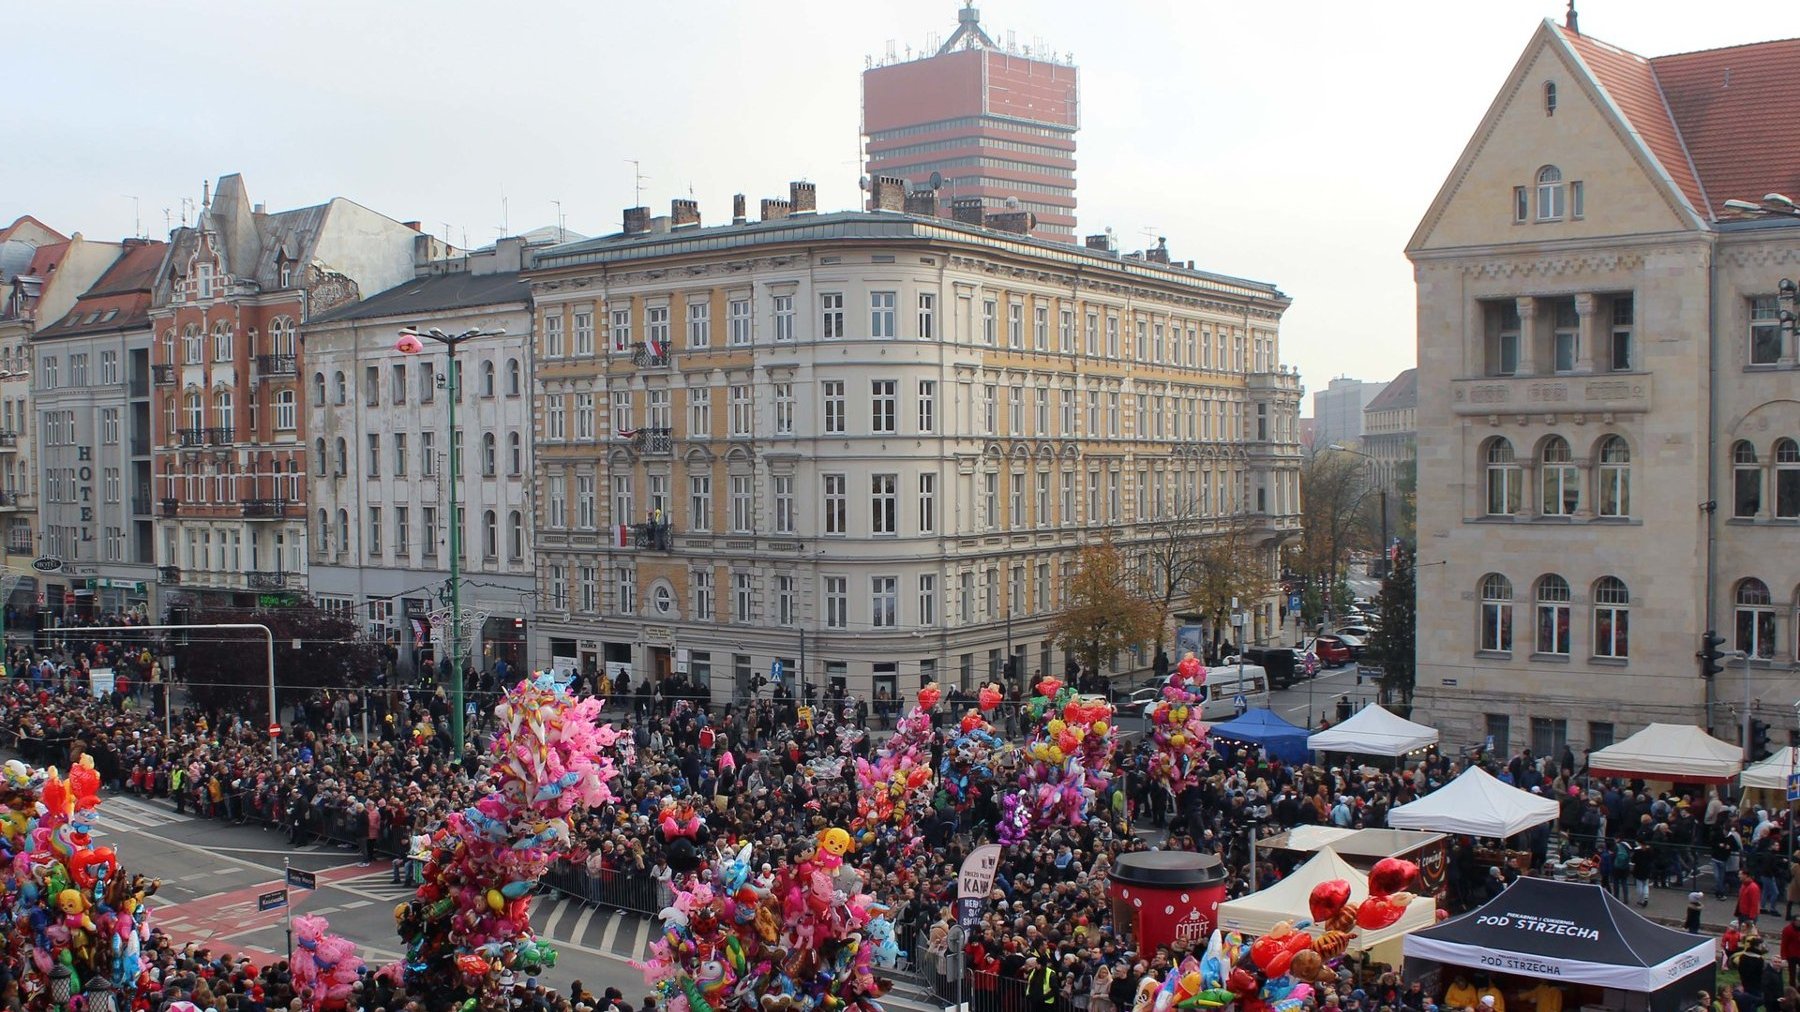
(1327, 899)
(1390, 875)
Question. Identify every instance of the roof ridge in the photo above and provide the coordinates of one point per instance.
(1720, 49)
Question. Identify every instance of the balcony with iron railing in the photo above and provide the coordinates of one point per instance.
(645, 357)
(9, 440)
(656, 442)
(164, 374)
(654, 535)
(190, 437)
(19, 543)
(277, 365)
(11, 499)
(269, 509)
(266, 580)
(219, 435)
(168, 575)
(168, 507)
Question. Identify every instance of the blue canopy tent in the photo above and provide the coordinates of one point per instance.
(1276, 736)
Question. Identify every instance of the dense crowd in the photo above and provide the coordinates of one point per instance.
(756, 774)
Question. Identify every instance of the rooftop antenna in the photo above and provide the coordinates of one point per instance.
(137, 217)
(559, 220)
(505, 222)
(187, 204)
(168, 220)
(637, 181)
(1149, 232)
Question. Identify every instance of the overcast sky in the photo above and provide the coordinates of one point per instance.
(1285, 141)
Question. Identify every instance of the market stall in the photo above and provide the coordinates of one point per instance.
(1262, 727)
(1577, 938)
(1362, 849)
(1673, 753)
(1288, 900)
(1772, 774)
(1374, 730)
(1475, 804)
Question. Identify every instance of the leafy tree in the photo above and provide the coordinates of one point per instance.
(227, 668)
(1105, 612)
(1228, 566)
(1394, 641)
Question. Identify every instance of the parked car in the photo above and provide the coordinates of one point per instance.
(1283, 664)
(1331, 650)
(1356, 637)
(1133, 701)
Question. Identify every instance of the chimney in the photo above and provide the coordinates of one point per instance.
(1021, 222)
(660, 224)
(260, 209)
(922, 203)
(1100, 241)
(887, 193)
(637, 220)
(414, 225)
(1160, 254)
(804, 197)
(775, 210)
(684, 213)
(968, 210)
(737, 209)
(1573, 23)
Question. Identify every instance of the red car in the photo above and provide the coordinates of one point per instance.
(1331, 651)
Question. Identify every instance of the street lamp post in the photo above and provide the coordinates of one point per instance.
(410, 343)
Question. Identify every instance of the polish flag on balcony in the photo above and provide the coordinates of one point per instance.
(622, 536)
(657, 348)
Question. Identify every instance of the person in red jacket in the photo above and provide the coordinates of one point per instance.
(1790, 950)
(1749, 902)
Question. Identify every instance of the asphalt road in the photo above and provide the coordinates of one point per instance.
(213, 872)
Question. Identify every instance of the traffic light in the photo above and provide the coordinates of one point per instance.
(1759, 739)
(1012, 669)
(1710, 655)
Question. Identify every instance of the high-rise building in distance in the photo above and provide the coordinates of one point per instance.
(984, 120)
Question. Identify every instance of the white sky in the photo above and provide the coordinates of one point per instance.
(1292, 141)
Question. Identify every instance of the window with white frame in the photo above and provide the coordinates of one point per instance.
(742, 521)
(1612, 618)
(622, 512)
(555, 417)
(1619, 354)
(1504, 479)
(884, 602)
(1553, 623)
(585, 410)
(221, 342)
(699, 412)
(553, 334)
(742, 418)
(884, 504)
(1787, 479)
(1015, 325)
(699, 324)
(1552, 196)
(737, 323)
(588, 580)
(927, 406)
(927, 315)
(626, 590)
(621, 330)
(1040, 328)
(990, 500)
(584, 337)
(1746, 485)
(785, 599)
(831, 315)
(657, 411)
(587, 506)
(837, 602)
(656, 487)
(784, 318)
(836, 503)
(1041, 513)
(928, 604)
(881, 315)
(287, 415)
(1496, 613)
(622, 421)
(990, 407)
(656, 329)
(700, 502)
(833, 393)
(1615, 477)
(1066, 514)
(1755, 615)
(559, 587)
(1066, 332)
(927, 503)
(702, 581)
(883, 409)
(1042, 405)
(559, 502)
(783, 486)
(990, 323)
(743, 594)
(784, 408)
(1765, 330)
(1015, 500)
(1560, 478)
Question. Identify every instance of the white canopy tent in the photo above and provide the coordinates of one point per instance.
(1286, 900)
(1373, 730)
(1475, 804)
(1771, 774)
(1679, 753)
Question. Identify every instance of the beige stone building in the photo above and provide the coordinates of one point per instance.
(1606, 399)
(868, 445)
(1390, 428)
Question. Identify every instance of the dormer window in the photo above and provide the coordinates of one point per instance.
(287, 275)
(1549, 98)
(203, 280)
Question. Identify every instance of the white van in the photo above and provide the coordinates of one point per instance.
(1225, 683)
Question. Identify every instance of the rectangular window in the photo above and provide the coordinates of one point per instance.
(927, 503)
(559, 502)
(374, 454)
(656, 329)
(883, 410)
(427, 383)
(990, 500)
(784, 409)
(785, 521)
(402, 531)
(1765, 330)
(400, 454)
(881, 315)
(737, 314)
(884, 602)
(556, 418)
(1091, 336)
(1566, 338)
(703, 594)
(927, 406)
(1521, 204)
(553, 335)
(784, 318)
(621, 499)
(372, 385)
(375, 530)
(699, 324)
(1112, 337)
(584, 414)
(837, 602)
(700, 502)
(1065, 333)
(1067, 499)
(109, 367)
(587, 512)
(1042, 500)
(700, 412)
(1576, 208)
(784, 600)
(742, 521)
(559, 588)
(990, 407)
(627, 590)
(884, 504)
(833, 392)
(588, 579)
(1619, 357)
(1043, 411)
(1015, 325)
(990, 312)
(584, 336)
(927, 315)
(831, 315)
(1015, 501)
(621, 330)
(742, 418)
(928, 599)
(1040, 328)
(836, 499)
(109, 426)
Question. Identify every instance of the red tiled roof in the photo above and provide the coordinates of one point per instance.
(44, 261)
(120, 299)
(1736, 109)
(1716, 120)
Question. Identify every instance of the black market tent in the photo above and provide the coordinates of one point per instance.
(1569, 933)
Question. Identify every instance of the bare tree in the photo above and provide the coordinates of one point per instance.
(1335, 509)
(1170, 558)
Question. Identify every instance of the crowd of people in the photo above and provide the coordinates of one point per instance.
(756, 774)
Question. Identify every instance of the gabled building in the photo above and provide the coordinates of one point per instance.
(95, 451)
(1608, 432)
(1389, 428)
(230, 431)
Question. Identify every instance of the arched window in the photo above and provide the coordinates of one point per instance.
(343, 457)
(318, 389)
(281, 336)
(1559, 478)
(515, 455)
(1496, 613)
(490, 535)
(1746, 481)
(196, 413)
(515, 378)
(1504, 479)
(292, 493)
(222, 419)
(1550, 193)
(343, 531)
(1612, 618)
(324, 534)
(487, 379)
(1553, 615)
(1787, 479)
(1755, 618)
(319, 456)
(287, 419)
(515, 536)
(193, 346)
(340, 390)
(1549, 98)
(488, 454)
(1615, 477)
(221, 341)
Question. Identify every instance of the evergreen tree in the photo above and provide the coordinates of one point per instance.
(1394, 641)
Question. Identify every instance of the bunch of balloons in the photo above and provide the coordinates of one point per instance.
(471, 914)
(896, 788)
(67, 901)
(1176, 728)
(1065, 766)
(805, 938)
(967, 765)
(325, 965)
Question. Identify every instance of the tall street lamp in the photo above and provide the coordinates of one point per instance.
(411, 343)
